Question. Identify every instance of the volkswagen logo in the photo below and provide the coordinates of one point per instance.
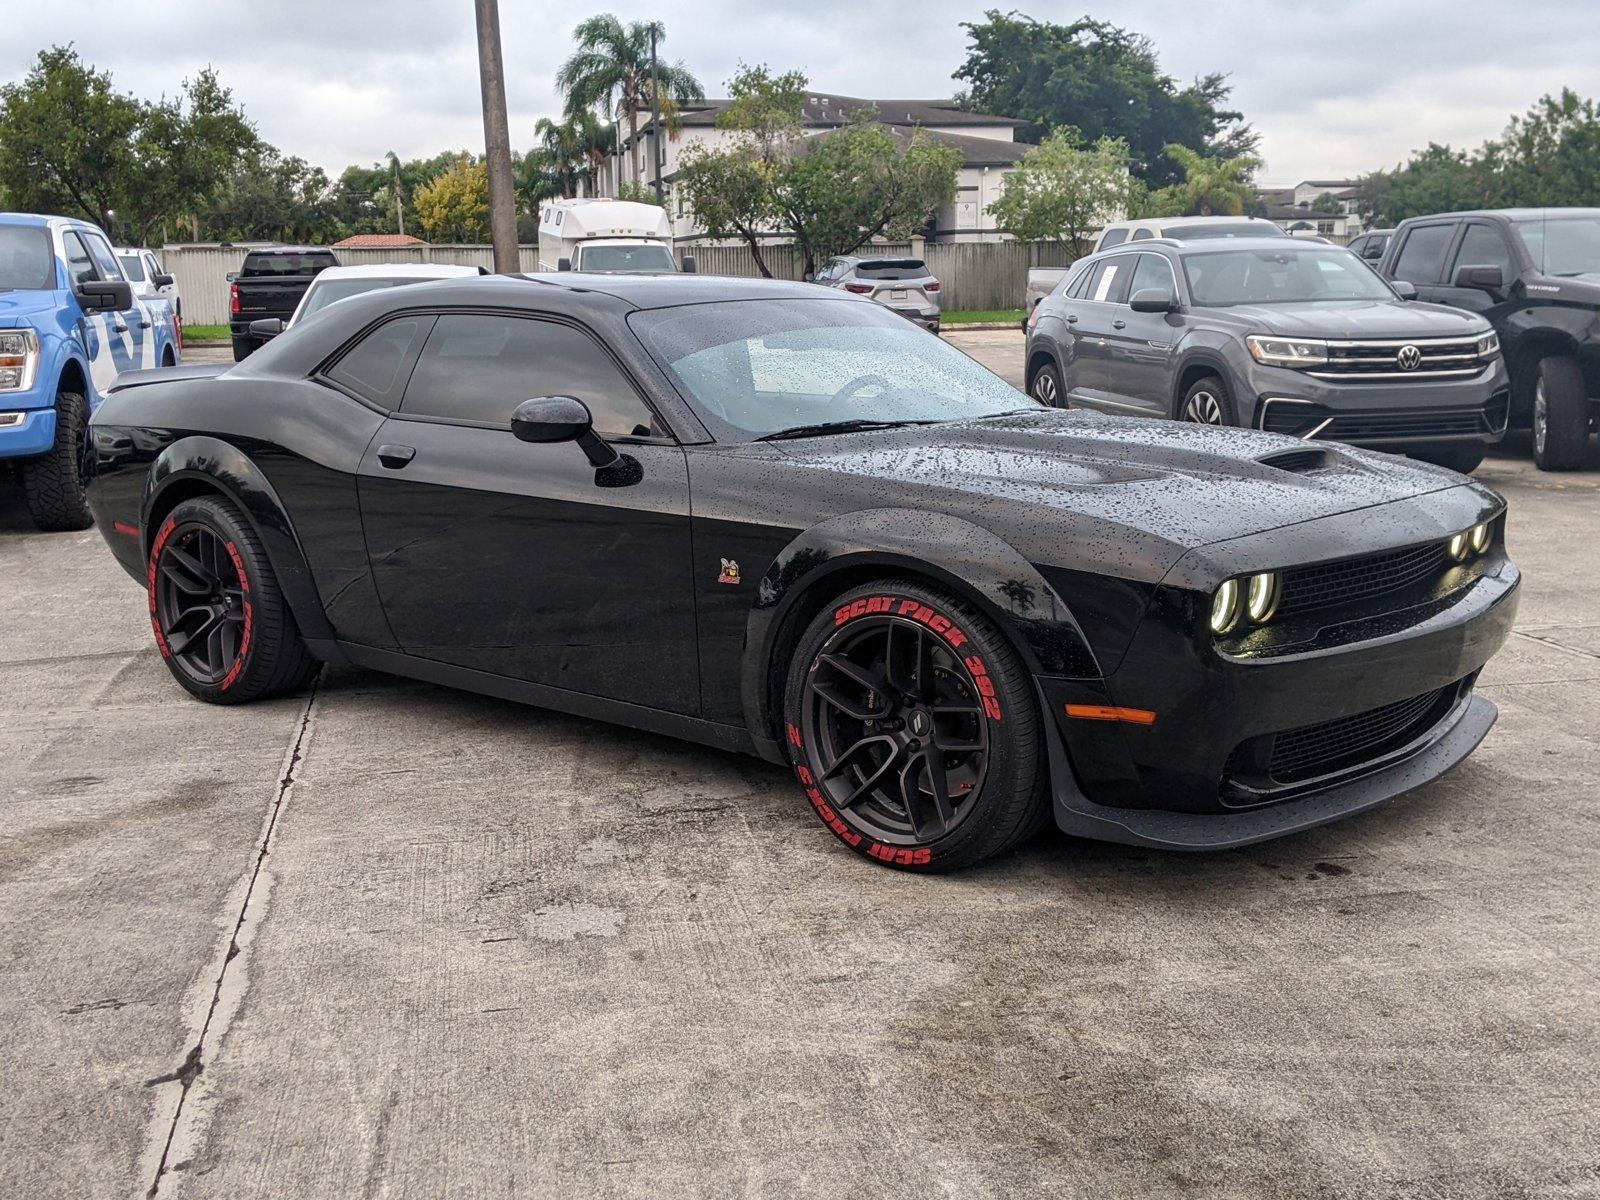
(1409, 358)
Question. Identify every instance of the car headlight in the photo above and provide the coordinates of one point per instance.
(1481, 536)
(1287, 352)
(1261, 597)
(1460, 547)
(1488, 344)
(1225, 607)
(19, 359)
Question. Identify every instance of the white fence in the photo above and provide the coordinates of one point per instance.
(972, 275)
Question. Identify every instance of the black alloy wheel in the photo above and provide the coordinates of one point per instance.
(914, 729)
(203, 613)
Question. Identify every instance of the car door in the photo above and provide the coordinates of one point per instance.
(1421, 256)
(1138, 347)
(1480, 245)
(522, 560)
(133, 341)
(1107, 287)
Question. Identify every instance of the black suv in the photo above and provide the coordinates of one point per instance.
(1281, 334)
(1535, 275)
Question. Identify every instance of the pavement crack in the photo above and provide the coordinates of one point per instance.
(1553, 644)
(194, 1061)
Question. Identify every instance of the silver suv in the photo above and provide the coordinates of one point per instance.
(902, 284)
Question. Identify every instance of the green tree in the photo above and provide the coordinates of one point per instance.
(267, 196)
(1103, 81)
(638, 193)
(1061, 191)
(610, 70)
(454, 206)
(1212, 186)
(568, 152)
(1327, 204)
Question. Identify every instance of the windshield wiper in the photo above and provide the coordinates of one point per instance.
(800, 431)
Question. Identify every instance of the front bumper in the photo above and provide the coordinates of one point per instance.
(26, 433)
(1382, 415)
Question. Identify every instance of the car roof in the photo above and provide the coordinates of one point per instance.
(667, 291)
(1515, 214)
(393, 270)
(287, 250)
(1217, 245)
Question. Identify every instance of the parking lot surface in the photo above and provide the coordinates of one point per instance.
(387, 939)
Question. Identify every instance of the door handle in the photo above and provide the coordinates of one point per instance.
(395, 457)
(144, 324)
(120, 327)
(1119, 324)
(1072, 318)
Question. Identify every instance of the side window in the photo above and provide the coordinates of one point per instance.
(1080, 285)
(1483, 247)
(1422, 253)
(378, 366)
(1153, 271)
(1139, 235)
(480, 367)
(80, 267)
(104, 260)
(1113, 237)
(1110, 282)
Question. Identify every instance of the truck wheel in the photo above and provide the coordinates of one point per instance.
(914, 730)
(1458, 458)
(53, 482)
(242, 346)
(1206, 402)
(1560, 415)
(220, 620)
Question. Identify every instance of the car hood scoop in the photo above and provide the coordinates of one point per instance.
(1191, 484)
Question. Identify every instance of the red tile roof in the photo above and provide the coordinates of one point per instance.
(378, 241)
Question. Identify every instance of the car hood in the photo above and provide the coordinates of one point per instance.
(19, 308)
(1044, 475)
(1357, 319)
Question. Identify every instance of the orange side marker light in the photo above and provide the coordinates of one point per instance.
(1107, 712)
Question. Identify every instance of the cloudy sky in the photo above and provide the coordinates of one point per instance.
(1335, 88)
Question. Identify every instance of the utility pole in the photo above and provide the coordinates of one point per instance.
(399, 210)
(497, 138)
(655, 115)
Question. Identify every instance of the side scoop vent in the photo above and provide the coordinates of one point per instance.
(1297, 461)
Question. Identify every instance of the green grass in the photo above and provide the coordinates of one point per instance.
(206, 333)
(1008, 316)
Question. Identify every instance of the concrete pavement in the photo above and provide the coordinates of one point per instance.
(393, 940)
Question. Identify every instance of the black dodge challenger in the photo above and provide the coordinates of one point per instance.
(791, 523)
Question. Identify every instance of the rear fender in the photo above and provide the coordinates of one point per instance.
(197, 464)
(880, 543)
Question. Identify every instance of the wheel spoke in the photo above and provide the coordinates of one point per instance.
(874, 685)
(867, 785)
(894, 633)
(215, 662)
(871, 739)
(189, 639)
(927, 684)
(855, 710)
(176, 563)
(939, 785)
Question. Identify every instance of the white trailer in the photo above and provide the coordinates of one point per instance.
(613, 236)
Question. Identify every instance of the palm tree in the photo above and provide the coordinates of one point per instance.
(567, 152)
(610, 70)
(1213, 186)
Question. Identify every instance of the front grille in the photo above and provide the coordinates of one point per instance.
(1313, 750)
(1326, 585)
(1391, 359)
(1299, 420)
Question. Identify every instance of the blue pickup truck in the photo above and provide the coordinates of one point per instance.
(69, 323)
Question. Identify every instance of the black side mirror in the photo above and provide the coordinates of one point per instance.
(1152, 300)
(266, 327)
(1486, 278)
(546, 419)
(105, 295)
(1404, 288)
(688, 264)
(563, 264)
(163, 280)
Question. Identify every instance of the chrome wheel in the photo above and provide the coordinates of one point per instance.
(1045, 390)
(1541, 416)
(1203, 408)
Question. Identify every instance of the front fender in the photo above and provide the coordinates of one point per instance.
(217, 465)
(967, 559)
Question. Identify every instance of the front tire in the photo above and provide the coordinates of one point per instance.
(913, 729)
(220, 620)
(1206, 402)
(1560, 415)
(53, 483)
(1046, 387)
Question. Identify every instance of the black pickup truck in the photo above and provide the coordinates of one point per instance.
(1534, 273)
(270, 284)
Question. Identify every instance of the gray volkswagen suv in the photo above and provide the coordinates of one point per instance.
(1273, 333)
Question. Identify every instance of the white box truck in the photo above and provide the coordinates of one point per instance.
(611, 236)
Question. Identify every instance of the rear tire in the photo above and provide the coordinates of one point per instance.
(54, 482)
(220, 620)
(1560, 415)
(242, 348)
(1458, 458)
(1207, 402)
(1046, 387)
(943, 764)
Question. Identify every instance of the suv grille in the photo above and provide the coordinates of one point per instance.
(1312, 750)
(1328, 584)
(1397, 359)
(1301, 420)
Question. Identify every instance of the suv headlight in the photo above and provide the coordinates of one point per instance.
(1489, 344)
(1287, 352)
(19, 359)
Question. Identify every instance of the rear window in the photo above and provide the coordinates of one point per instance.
(1225, 229)
(892, 268)
(26, 261)
(132, 267)
(285, 264)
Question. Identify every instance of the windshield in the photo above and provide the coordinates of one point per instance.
(325, 291)
(757, 367)
(132, 267)
(1564, 246)
(26, 262)
(634, 260)
(1221, 278)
